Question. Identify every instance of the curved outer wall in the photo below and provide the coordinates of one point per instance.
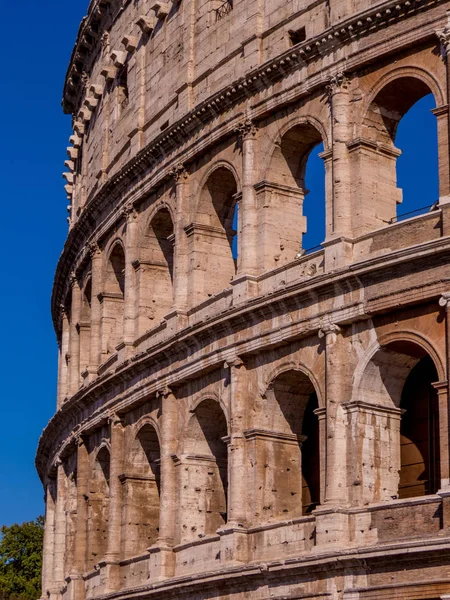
(273, 425)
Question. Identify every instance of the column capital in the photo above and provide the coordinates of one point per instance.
(338, 82)
(246, 129)
(73, 280)
(444, 300)
(129, 213)
(329, 331)
(164, 392)
(115, 419)
(94, 250)
(236, 362)
(444, 39)
(179, 173)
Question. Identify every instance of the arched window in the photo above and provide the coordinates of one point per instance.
(292, 221)
(85, 325)
(212, 237)
(141, 493)
(416, 137)
(98, 508)
(380, 190)
(205, 473)
(404, 448)
(113, 301)
(155, 271)
(291, 485)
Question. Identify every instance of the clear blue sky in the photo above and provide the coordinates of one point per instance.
(36, 42)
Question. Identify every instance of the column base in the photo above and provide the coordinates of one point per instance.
(162, 562)
(245, 287)
(75, 587)
(110, 575)
(338, 253)
(233, 544)
(445, 495)
(332, 528)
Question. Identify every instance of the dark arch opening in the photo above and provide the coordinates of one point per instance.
(314, 202)
(419, 432)
(115, 279)
(292, 401)
(142, 490)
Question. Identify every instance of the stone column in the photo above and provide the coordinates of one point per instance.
(248, 213)
(162, 557)
(340, 124)
(443, 389)
(75, 336)
(76, 590)
(112, 556)
(96, 311)
(332, 523)
(60, 530)
(335, 451)
(441, 113)
(129, 313)
(49, 539)
(181, 253)
(65, 358)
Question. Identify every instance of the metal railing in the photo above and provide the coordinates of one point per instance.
(224, 9)
(418, 211)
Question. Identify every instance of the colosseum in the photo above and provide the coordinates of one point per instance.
(240, 416)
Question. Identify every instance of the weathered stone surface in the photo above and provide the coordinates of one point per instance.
(273, 426)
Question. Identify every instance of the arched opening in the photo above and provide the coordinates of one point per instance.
(155, 271)
(292, 478)
(205, 476)
(314, 202)
(380, 189)
(113, 300)
(416, 137)
(85, 325)
(293, 219)
(98, 508)
(404, 450)
(142, 493)
(213, 239)
(419, 432)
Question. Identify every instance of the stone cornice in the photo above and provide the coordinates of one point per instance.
(162, 357)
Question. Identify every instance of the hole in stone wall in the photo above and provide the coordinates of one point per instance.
(297, 36)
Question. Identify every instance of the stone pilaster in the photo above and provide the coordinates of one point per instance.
(443, 390)
(112, 556)
(129, 314)
(63, 388)
(60, 531)
(49, 538)
(75, 587)
(341, 217)
(181, 253)
(96, 311)
(443, 117)
(162, 555)
(75, 337)
(335, 451)
(248, 212)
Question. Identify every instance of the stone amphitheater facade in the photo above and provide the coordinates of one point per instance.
(273, 425)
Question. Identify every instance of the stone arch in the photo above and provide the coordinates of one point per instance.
(141, 484)
(388, 102)
(208, 395)
(293, 365)
(112, 297)
(204, 482)
(98, 505)
(395, 381)
(283, 190)
(211, 235)
(291, 483)
(155, 271)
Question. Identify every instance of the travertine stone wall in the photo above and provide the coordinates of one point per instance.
(238, 417)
